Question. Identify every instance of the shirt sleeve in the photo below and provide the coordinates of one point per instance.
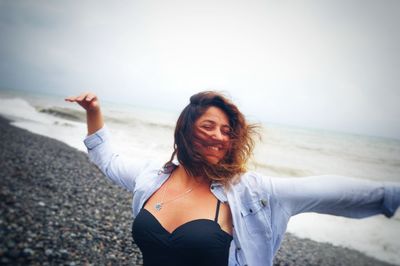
(337, 195)
(117, 168)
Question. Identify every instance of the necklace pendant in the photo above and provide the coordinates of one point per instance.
(158, 206)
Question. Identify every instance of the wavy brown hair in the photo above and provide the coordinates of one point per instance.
(241, 139)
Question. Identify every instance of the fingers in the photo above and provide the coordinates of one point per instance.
(69, 99)
(86, 96)
(90, 96)
(81, 97)
(87, 100)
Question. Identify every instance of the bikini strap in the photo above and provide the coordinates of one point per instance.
(217, 211)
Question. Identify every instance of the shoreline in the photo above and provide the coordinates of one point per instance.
(58, 208)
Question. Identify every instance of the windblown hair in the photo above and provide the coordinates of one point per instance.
(241, 139)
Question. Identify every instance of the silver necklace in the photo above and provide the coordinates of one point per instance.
(158, 206)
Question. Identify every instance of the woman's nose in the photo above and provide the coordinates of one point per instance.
(217, 135)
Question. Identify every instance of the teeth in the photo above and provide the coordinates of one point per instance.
(213, 148)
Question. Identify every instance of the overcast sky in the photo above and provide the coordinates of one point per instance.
(323, 64)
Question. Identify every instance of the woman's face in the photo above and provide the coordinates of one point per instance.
(212, 134)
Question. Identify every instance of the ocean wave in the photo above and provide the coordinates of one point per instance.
(80, 116)
(362, 153)
(134, 122)
(20, 110)
(152, 124)
(65, 113)
(280, 170)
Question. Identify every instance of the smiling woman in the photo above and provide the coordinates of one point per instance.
(212, 133)
(203, 208)
(212, 138)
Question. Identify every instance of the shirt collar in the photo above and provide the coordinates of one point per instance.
(216, 187)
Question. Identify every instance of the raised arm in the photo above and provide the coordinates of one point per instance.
(337, 195)
(90, 103)
(121, 171)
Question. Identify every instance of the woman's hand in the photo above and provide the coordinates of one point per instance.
(90, 103)
(87, 100)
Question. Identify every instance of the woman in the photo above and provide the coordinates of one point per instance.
(203, 208)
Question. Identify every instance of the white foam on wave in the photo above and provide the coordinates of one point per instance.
(19, 109)
(24, 115)
(375, 236)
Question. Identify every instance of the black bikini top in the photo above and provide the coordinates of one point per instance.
(197, 242)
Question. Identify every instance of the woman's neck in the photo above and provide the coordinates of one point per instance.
(182, 179)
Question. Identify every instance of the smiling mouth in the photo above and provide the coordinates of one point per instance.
(214, 147)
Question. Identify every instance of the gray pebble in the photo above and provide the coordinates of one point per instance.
(48, 252)
(28, 252)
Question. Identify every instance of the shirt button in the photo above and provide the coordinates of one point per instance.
(263, 202)
(212, 187)
(238, 249)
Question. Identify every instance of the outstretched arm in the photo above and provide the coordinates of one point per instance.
(337, 195)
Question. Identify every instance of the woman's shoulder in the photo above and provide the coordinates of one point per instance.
(150, 172)
(252, 180)
(155, 167)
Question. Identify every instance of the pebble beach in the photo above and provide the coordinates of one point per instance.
(57, 208)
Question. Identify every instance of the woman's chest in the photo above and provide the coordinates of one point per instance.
(177, 208)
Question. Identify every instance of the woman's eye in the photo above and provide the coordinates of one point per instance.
(226, 132)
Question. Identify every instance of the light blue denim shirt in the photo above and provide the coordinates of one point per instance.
(261, 206)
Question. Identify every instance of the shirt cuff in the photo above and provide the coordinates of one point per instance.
(391, 199)
(97, 138)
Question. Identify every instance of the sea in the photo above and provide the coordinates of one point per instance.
(282, 150)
